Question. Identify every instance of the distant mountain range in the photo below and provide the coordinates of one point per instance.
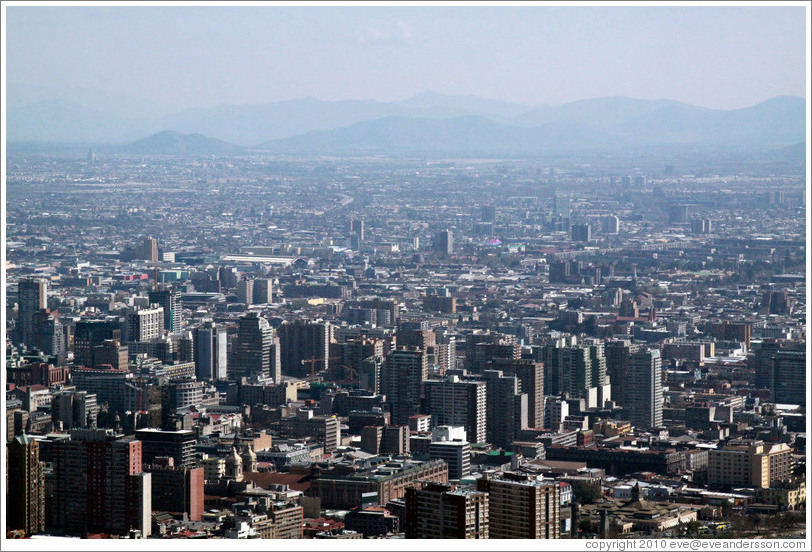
(428, 122)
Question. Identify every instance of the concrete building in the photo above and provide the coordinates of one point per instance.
(453, 401)
(401, 377)
(210, 352)
(522, 507)
(176, 489)
(437, 511)
(749, 464)
(643, 399)
(32, 296)
(25, 486)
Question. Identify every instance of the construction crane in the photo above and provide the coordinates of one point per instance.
(313, 360)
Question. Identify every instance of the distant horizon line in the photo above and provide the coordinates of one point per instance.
(374, 100)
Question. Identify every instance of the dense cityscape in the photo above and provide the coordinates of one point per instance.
(388, 347)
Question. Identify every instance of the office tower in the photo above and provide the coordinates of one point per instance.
(763, 363)
(355, 229)
(678, 213)
(176, 488)
(99, 485)
(450, 443)
(210, 352)
(401, 376)
(521, 506)
(701, 226)
(111, 353)
(556, 410)
(145, 323)
(179, 395)
(25, 486)
(263, 291)
(643, 395)
(640, 181)
(90, 333)
(48, 333)
(176, 444)
(245, 291)
(506, 412)
(618, 354)
(32, 296)
(169, 299)
(610, 224)
(369, 374)
(255, 350)
(488, 213)
(308, 341)
(581, 232)
(530, 374)
(482, 349)
(579, 370)
(147, 250)
(789, 377)
(457, 402)
(561, 206)
(775, 197)
(439, 511)
(445, 243)
(228, 277)
(71, 409)
(348, 357)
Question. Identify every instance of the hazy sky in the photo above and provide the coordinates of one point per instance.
(724, 57)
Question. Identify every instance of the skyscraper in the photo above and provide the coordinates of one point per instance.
(522, 506)
(99, 486)
(32, 297)
(147, 250)
(439, 511)
(48, 333)
(210, 352)
(255, 350)
(245, 291)
(506, 412)
(531, 381)
(90, 333)
(303, 340)
(263, 291)
(169, 299)
(456, 402)
(401, 376)
(145, 323)
(576, 369)
(445, 243)
(789, 377)
(25, 503)
(643, 395)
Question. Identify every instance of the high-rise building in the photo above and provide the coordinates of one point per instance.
(256, 350)
(169, 299)
(440, 511)
(445, 243)
(789, 377)
(176, 488)
(145, 323)
(71, 409)
(618, 354)
(456, 402)
(147, 250)
(90, 333)
(401, 376)
(581, 232)
(530, 374)
(643, 396)
(99, 485)
(48, 333)
(176, 444)
(522, 506)
(576, 369)
(561, 206)
(25, 486)
(450, 443)
(610, 224)
(263, 291)
(488, 213)
(112, 353)
(32, 296)
(303, 342)
(245, 291)
(210, 352)
(506, 412)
